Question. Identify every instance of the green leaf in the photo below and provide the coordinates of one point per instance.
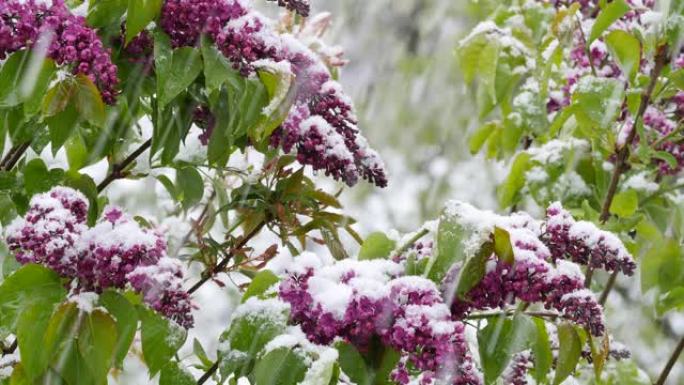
(200, 353)
(625, 204)
(667, 157)
(140, 14)
(569, 351)
(660, 261)
(31, 326)
(280, 366)
(24, 78)
(599, 101)
(170, 187)
(541, 348)
(489, 59)
(673, 299)
(192, 186)
(102, 13)
(480, 136)
(502, 245)
(97, 341)
(89, 101)
(7, 211)
(126, 318)
(247, 335)
(474, 270)
(161, 339)
(352, 363)
(450, 237)
(608, 15)
(29, 285)
(281, 94)
(260, 283)
(178, 74)
(376, 246)
(61, 125)
(77, 152)
(61, 345)
(626, 49)
(515, 181)
(173, 374)
(469, 56)
(217, 69)
(500, 340)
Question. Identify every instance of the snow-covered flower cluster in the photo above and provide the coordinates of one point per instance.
(584, 243)
(115, 253)
(542, 269)
(360, 300)
(62, 36)
(321, 126)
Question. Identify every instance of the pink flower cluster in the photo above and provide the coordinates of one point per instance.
(582, 242)
(114, 253)
(538, 272)
(321, 127)
(66, 38)
(360, 300)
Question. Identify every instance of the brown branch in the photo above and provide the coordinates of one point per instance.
(14, 155)
(623, 153)
(209, 273)
(208, 373)
(542, 314)
(608, 288)
(117, 170)
(10, 349)
(670, 363)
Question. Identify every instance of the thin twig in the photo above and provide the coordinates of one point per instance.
(198, 223)
(10, 349)
(117, 170)
(14, 155)
(608, 288)
(209, 273)
(492, 314)
(623, 153)
(670, 363)
(208, 373)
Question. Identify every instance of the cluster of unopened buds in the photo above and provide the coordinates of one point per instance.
(62, 36)
(321, 126)
(359, 300)
(116, 253)
(545, 266)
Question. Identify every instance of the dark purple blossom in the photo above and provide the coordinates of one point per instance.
(65, 37)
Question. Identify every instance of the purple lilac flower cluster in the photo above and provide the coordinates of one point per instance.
(516, 372)
(65, 37)
(533, 276)
(582, 242)
(114, 253)
(321, 127)
(357, 300)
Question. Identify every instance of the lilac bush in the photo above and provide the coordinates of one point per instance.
(233, 113)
